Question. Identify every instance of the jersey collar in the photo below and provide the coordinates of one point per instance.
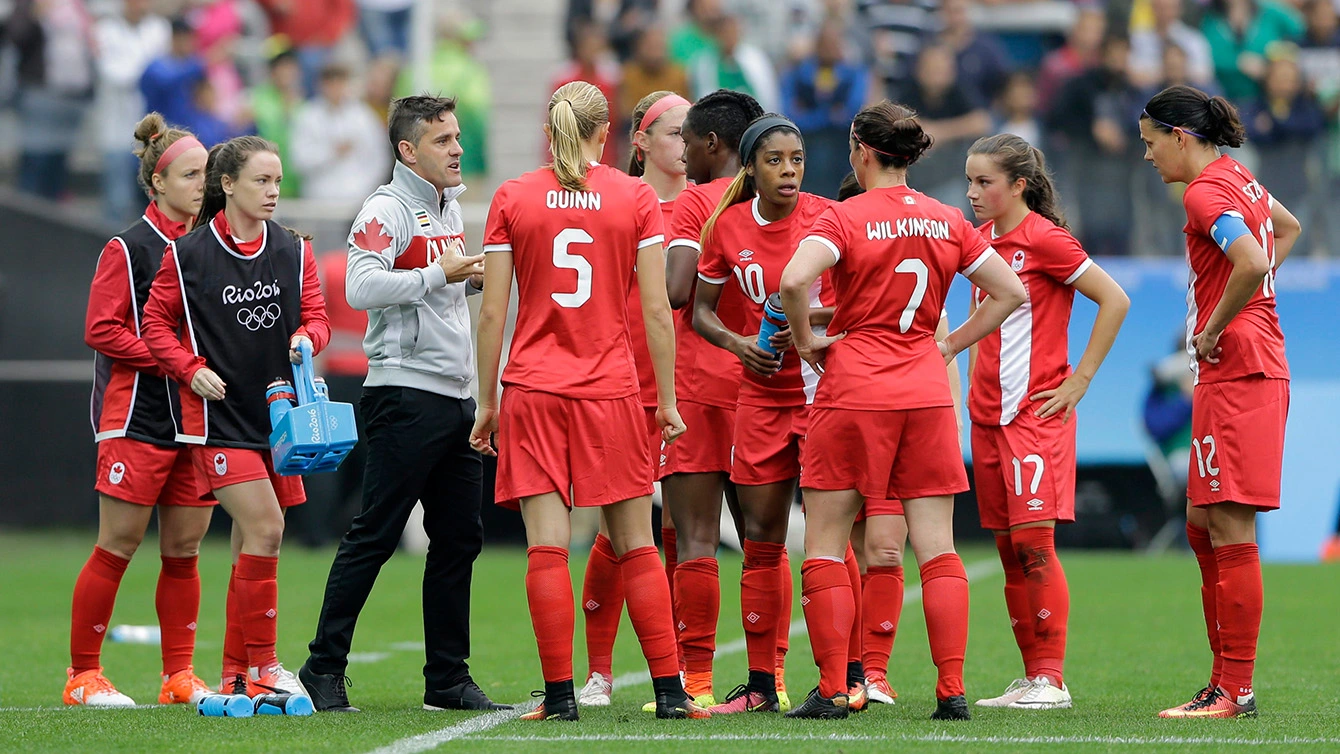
(166, 227)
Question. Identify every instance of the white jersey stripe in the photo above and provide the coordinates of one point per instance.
(1192, 312)
(808, 376)
(1083, 268)
(1016, 360)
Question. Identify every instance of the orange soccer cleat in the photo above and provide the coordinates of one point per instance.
(91, 688)
(183, 687)
(1213, 703)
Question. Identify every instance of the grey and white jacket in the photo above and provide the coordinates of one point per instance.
(418, 325)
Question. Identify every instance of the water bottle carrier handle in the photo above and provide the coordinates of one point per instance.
(304, 376)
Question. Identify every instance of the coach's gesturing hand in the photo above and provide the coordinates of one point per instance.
(208, 385)
(458, 267)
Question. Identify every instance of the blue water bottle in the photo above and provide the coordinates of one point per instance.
(280, 397)
(774, 319)
(282, 704)
(225, 705)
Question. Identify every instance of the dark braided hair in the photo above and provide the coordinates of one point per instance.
(725, 113)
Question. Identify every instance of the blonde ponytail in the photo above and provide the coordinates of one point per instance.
(741, 189)
(576, 111)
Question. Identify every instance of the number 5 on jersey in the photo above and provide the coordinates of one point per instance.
(566, 260)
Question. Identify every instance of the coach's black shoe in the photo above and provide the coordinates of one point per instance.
(465, 695)
(560, 703)
(673, 704)
(953, 708)
(326, 690)
(819, 707)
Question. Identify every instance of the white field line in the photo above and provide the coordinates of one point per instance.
(940, 738)
(433, 739)
(367, 657)
(63, 707)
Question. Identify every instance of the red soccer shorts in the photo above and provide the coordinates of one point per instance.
(768, 443)
(653, 441)
(706, 445)
(1024, 471)
(885, 507)
(897, 454)
(217, 467)
(591, 452)
(1237, 442)
(146, 474)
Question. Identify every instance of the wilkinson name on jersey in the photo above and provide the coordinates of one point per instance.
(886, 230)
(572, 200)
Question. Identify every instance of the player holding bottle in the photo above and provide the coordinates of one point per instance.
(750, 237)
(694, 473)
(882, 426)
(140, 464)
(1022, 397)
(1237, 235)
(242, 292)
(571, 429)
(658, 159)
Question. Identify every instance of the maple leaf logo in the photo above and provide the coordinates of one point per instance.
(373, 237)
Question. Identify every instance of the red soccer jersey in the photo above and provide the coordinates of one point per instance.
(1029, 353)
(574, 254)
(753, 251)
(637, 331)
(703, 372)
(1253, 342)
(897, 251)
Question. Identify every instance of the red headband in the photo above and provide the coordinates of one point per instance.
(658, 109)
(174, 151)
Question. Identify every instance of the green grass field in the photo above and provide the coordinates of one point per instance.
(1136, 645)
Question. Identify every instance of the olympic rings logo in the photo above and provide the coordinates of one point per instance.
(261, 317)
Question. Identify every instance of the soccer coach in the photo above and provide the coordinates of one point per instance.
(406, 268)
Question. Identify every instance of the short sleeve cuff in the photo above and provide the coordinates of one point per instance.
(497, 247)
(981, 259)
(644, 243)
(689, 242)
(1083, 268)
(712, 280)
(827, 244)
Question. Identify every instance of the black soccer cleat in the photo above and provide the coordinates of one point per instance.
(819, 707)
(953, 708)
(465, 695)
(326, 690)
(673, 704)
(560, 703)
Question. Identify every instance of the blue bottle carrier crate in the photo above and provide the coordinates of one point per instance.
(317, 433)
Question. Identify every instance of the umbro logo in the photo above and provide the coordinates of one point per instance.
(804, 601)
(591, 605)
(682, 626)
(746, 255)
(752, 617)
(190, 626)
(1044, 613)
(1014, 622)
(270, 613)
(1035, 504)
(99, 628)
(1214, 484)
(887, 625)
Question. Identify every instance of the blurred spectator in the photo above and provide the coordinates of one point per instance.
(1159, 214)
(1095, 117)
(53, 41)
(169, 82)
(806, 18)
(649, 70)
(275, 104)
(735, 65)
(202, 119)
(983, 64)
(591, 63)
(822, 95)
(1319, 59)
(623, 20)
(126, 43)
(217, 26)
(384, 25)
(1239, 31)
(1167, 411)
(768, 24)
(1168, 28)
(339, 145)
(898, 29)
(454, 72)
(313, 27)
(1017, 109)
(1079, 53)
(948, 113)
(694, 35)
(1286, 125)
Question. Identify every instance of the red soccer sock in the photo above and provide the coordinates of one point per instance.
(854, 578)
(1199, 539)
(944, 596)
(670, 545)
(759, 603)
(178, 602)
(258, 607)
(786, 590)
(91, 608)
(829, 611)
(698, 606)
(1239, 599)
(1017, 605)
(549, 595)
(649, 610)
(234, 645)
(882, 606)
(1048, 598)
(602, 601)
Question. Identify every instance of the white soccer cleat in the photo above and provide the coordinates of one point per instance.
(92, 689)
(879, 690)
(276, 680)
(1043, 695)
(1017, 688)
(596, 692)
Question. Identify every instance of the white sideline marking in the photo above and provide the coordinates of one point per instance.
(433, 739)
(366, 657)
(63, 707)
(936, 738)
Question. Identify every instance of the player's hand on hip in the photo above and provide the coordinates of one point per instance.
(208, 385)
(1063, 397)
(1207, 346)
(817, 349)
(294, 355)
(481, 437)
(672, 426)
(458, 267)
